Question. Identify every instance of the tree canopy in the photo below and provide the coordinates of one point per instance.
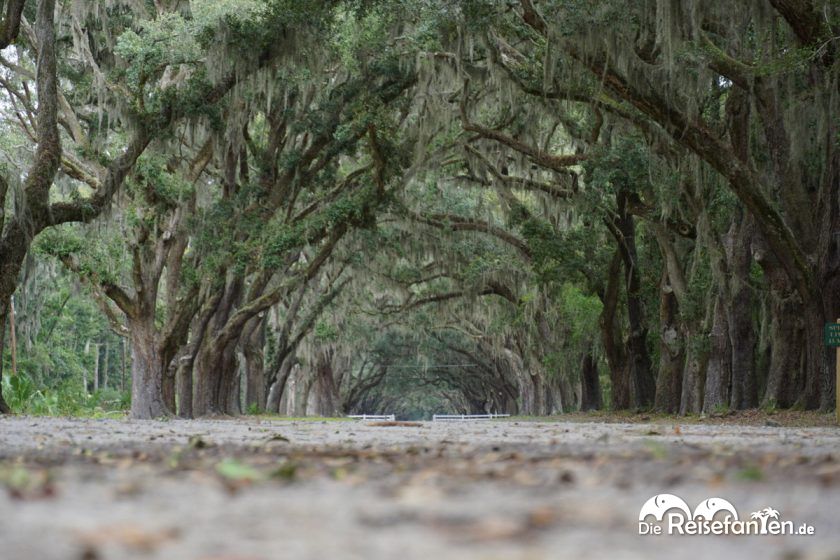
(392, 206)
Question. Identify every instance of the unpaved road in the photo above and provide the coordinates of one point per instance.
(258, 489)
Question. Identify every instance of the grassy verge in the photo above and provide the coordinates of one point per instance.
(754, 417)
(301, 418)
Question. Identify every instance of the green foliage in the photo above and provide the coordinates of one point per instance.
(158, 185)
(152, 47)
(60, 243)
(624, 165)
(325, 332)
(94, 257)
(66, 399)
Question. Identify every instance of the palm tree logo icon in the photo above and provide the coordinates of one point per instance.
(764, 515)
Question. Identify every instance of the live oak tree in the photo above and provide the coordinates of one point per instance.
(576, 204)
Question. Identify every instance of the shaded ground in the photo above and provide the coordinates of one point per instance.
(752, 417)
(260, 489)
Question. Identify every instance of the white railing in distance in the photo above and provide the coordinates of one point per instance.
(388, 417)
(454, 417)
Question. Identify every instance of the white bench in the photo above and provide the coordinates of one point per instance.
(386, 417)
(459, 417)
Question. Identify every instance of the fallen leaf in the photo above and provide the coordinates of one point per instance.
(232, 469)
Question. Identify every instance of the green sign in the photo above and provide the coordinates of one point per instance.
(832, 334)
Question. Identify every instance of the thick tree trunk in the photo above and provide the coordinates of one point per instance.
(252, 348)
(785, 375)
(524, 383)
(742, 330)
(539, 394)
(785, 378)
(146, 373)
(671, 350)
(230, 390)
(641, 376)
(279, 387)
(561, 396)
(324, 396)
(590, 385)
(216, 379)
(719, 364)
(696, 358)
(168, 389)
(184, 381)
(691, 397)
(616, 356)
(215, 371)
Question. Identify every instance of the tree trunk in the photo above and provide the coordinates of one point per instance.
(590, 385)
(539, 393)
(616, 356)
(691, 396)
(215, 377)
(785, 378)
(13, 334)
(4, 407)
(252, 348)
(279, 387)
(123, 364)
(325, 395)
(719, 364)
(696, 358)
(146, 373)
(742, 335)
(184, 382)
(230, 389)
(168, 386)
(785, 375)
(215, 371)
(523, 380)
(105, 364)
(671, 350)
(641, 376)
(96, 367)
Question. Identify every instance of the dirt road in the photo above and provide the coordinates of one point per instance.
(259, 489)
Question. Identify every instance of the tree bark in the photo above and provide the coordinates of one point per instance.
(184, 382)
(4, 311)
(324, 397)
(96, 356)
(638, 359)
(215, 364)
(17, 234)
(616, 355)
(590, 384)
(671, 350)
(719, 364)
(786, 333)
(146, 373)
(252, 348)
(742, 330)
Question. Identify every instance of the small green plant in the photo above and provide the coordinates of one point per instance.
(751, 473)
(18, 390)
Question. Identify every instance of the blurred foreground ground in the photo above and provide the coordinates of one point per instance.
(262, 489)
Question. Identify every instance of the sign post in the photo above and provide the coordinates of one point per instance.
(832, 339)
